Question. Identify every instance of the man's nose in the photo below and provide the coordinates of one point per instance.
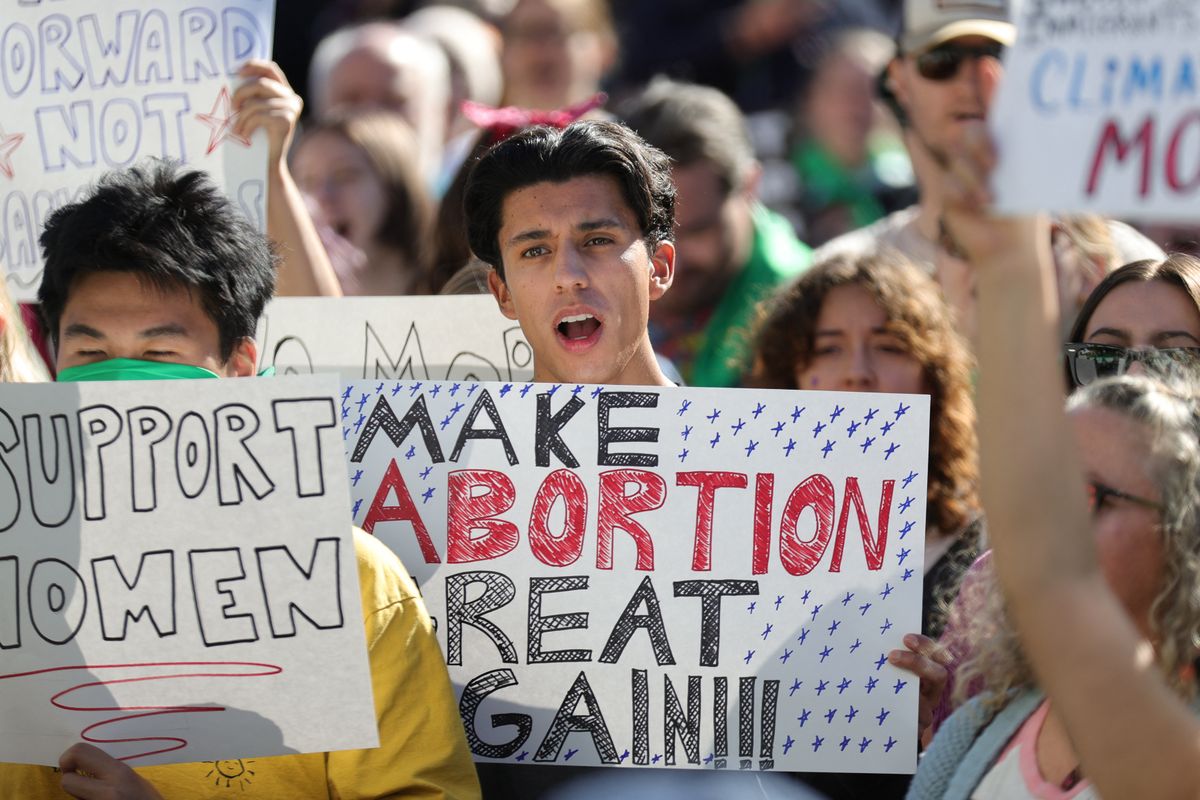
(570, 270)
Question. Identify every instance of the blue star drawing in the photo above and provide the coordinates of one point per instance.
(908, 573)
(833, 626)
(753, 605)
(357, 506)
(457, 408)
(708, 759)
(683, 408)
(596, 392)
(738, 427)
(683, 455)
(525, 389)
(857, 644)
(887, 591)
(786, 655)
(871, 412)
(789, 447)
(901, 410)
(656, 759)
(872, 682)
(796, 412)
(362, 401)
(880, 662)
(863, 609)
(803, 635)
(524, 755)
(804, 715)
(778, 601)
(826, 652)
(621, 758)
(837, 412)
(886, 626)
(816, 610)
(345, 412)
(830, 714)
(845, 742)
(416, 387)
(427, 495)
(751, 447)
(908, 526)
(821, 687)
(749, 655)
(425, 473)
(866, 445)
(882, 715)
(396, 389)
(795, 687)
(899, 685)
(445, 422)
(687, 431)
(759, 408)
(570, 752)
(358, 423)
(716, 412)
(436, 390)
(345, 434)
(575, 392)
(889, 744)
(887, 428)
(713, 442)
(788, 744)
(453, 390)
(817, 742)
(908, 501)
(777, 428)
(412, 451)
(346, 394)
(849, 596)
(903, 554)
(851, 714)
(505, 389)
(844, 685)
(804, 597)
(357, 477)
(909, 478)
(893, 447)
(863, 745)
(767, 631)
(852, 429)
(820, 426)
(828, 448)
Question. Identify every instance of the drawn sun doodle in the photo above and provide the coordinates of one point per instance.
(8, 143)
(229, 773)
(221, 119)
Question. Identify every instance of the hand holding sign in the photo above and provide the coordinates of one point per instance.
(89, 772)
(266, 100)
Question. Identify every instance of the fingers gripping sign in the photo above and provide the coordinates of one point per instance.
(89, 773)
(265, 100)
(928, 660)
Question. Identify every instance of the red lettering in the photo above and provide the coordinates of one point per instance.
(1172, 166)
(616, 507)
(873, 546)
(467, 512)
(558, 551)
(800, 557)
(1110, 137)
(706, 500)
(405, 510)
(764, 500)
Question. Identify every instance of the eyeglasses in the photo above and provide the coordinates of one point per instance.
(942, 62)
(1099, 494)
(1091, 362)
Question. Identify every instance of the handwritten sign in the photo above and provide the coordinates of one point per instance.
(88, 87)
(658, 577)
(381, 338)
(1099, 110)
(177, 574)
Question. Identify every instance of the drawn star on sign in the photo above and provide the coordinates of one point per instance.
(222, 119)
(8, 144)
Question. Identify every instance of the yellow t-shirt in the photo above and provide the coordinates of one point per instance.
(423, 750)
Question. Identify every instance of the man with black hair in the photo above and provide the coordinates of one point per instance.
(155, 275)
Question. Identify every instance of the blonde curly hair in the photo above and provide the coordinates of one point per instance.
(19, 362)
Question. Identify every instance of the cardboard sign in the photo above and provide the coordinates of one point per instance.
(1099, 110)
(658, 577)
(178, 580)
(89, 87)
(383, 338)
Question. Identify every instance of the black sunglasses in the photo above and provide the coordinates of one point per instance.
(1091, 362)
(1099, 494)
(942, 62)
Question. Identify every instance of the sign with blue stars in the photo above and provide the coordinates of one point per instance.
(671, 577)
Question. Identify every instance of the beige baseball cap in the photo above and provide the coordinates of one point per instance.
(928, 23)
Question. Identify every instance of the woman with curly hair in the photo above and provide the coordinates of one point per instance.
(879, 324)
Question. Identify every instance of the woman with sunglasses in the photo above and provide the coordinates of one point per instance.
(1145, 314)
(1106, 602)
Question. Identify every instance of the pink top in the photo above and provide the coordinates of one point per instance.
(1015, 775)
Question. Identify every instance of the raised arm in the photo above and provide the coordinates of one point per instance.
(1133, 736)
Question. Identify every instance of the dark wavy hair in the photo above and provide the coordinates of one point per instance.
(171, 227)
(919, 317)
(541, 154)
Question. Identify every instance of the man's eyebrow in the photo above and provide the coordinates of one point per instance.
(597, 224)
(81, 330)
(169, 329)
(528, 236)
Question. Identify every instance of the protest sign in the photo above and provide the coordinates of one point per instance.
(1099, 110)
(658, 577)
(88, 87)
(462, 337)
(178, 580)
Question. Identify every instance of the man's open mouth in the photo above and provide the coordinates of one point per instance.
(578, 326)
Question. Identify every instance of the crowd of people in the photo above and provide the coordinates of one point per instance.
(646, 206)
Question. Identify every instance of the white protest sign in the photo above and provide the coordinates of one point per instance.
(462, 337)
(1099, 110)
(659, 577)
(88, 87)
(177, 574)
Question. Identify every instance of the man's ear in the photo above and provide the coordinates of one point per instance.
(894, 89)
(243, 362)
(662, 269)
(503, 296)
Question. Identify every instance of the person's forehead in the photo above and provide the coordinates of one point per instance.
(580, 199)
(122, 294)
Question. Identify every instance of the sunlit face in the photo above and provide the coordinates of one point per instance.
(548, 60)
(1115, 451)
(840, 108)
(117, 315)
(853, 350)
(1142, 314)
(347, 191)
(579, 278)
